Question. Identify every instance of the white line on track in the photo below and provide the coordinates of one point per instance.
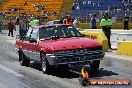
(10, 71)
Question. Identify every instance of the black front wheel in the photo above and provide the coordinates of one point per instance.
(45, 64)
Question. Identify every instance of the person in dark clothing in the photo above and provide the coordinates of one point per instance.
(10, 27)
(126, 18)
(93, 22)
(61, 20)
(23, 29)
(106, 24)
(69, 20)
(17, 24)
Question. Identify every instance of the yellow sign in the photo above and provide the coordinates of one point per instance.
(99, 37)
(91, 36)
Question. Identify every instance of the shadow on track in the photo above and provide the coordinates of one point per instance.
(68, 74)
(101, 73)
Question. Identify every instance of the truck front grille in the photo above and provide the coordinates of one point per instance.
(80, 55)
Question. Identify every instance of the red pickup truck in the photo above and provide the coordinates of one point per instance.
(57, 45)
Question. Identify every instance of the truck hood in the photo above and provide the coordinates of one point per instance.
(71, 43)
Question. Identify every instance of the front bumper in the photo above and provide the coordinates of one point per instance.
(72, 58)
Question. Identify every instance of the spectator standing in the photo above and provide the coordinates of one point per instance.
(106, 24)
(10, 27)
(34, 22)
(93, 22)
(43, 10)
(61, 20)
(26, 21)
(126, 19)
(22, 29)
(69, 20)
(17, 24)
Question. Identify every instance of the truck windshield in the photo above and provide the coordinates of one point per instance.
(59, 31)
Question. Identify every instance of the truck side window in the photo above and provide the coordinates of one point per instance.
(46, 33)
(27, 37)
(34, 34)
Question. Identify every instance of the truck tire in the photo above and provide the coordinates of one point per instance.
(23, 60)
(45, 65)
(95, 65)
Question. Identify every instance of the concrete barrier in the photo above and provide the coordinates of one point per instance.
(125, 48)
(99, 37)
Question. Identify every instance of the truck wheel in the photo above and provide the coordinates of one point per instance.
(45, 64)
(23, 60)
(95, 65)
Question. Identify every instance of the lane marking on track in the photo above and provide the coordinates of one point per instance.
(10, 71)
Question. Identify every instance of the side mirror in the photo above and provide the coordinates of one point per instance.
(32, 40)
(17, 37)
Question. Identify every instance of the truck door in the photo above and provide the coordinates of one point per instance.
(25, 42)
(33, 50)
